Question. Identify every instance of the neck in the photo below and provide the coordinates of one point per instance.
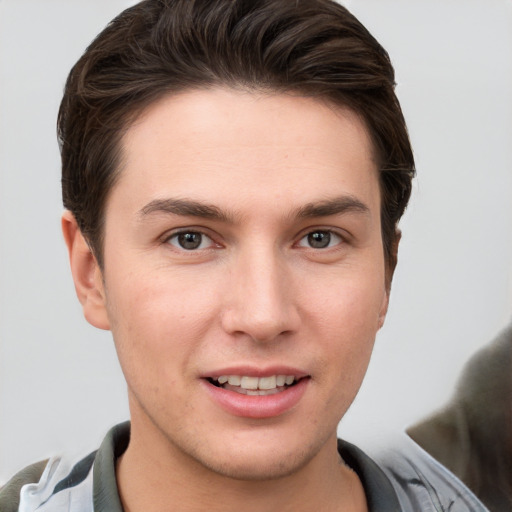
(154, 476)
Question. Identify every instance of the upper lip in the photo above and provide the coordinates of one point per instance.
(252, 371)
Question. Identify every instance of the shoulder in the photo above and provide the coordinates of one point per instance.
(63, 484)
(10, 492)
(50, 485)
(421, 482)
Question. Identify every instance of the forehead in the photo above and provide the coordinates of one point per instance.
(210, 142)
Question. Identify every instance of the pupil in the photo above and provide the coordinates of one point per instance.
(189, 240)
(319, 239)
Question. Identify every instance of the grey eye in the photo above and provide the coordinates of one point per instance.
(190, 240)
(320, 239)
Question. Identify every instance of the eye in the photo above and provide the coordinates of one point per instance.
(320, 239)
(190, 240)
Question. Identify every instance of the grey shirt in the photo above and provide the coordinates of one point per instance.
(404, 479)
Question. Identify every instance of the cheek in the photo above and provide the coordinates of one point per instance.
(351, 305)
(155, 326)
(348, 320)
(156, 303)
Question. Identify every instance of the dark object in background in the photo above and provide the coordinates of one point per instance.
(472, 435)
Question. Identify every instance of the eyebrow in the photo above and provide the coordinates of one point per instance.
(190, 208)
(185, 207)
(335, 206)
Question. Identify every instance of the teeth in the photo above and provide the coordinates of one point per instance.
(249, 382)
(256, 392)
(255, 384)
(267, 382)
(280, 380)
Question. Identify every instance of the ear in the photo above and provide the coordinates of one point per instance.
(393, 259)
(390, 270)
(383, 308)
(86, 273)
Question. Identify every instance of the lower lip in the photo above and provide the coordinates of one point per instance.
(249, 406)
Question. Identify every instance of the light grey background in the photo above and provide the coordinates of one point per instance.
(60, 383)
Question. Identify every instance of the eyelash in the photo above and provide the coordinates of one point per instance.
(183, 233)
(330, 235)
(190, 233)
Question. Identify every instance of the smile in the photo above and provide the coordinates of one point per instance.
(255, 386)
(257, 397)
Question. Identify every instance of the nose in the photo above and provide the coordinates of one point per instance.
(261, 304)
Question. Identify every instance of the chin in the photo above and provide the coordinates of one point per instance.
(259, 467)
(258, 456)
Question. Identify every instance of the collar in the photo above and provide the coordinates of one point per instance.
(105, 493)
(380, 494)
(379, 491)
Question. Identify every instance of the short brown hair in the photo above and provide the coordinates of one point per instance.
(157, 47)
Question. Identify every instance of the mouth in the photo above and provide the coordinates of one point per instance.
(258, 394)
(255, 386)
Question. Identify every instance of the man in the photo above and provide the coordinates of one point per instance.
(233, 174)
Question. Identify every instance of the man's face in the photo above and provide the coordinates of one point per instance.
(243, 243)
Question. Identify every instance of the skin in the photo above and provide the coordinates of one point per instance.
(255, 294)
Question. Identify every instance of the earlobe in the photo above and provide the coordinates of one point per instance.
(383, 310)
(86, 273)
